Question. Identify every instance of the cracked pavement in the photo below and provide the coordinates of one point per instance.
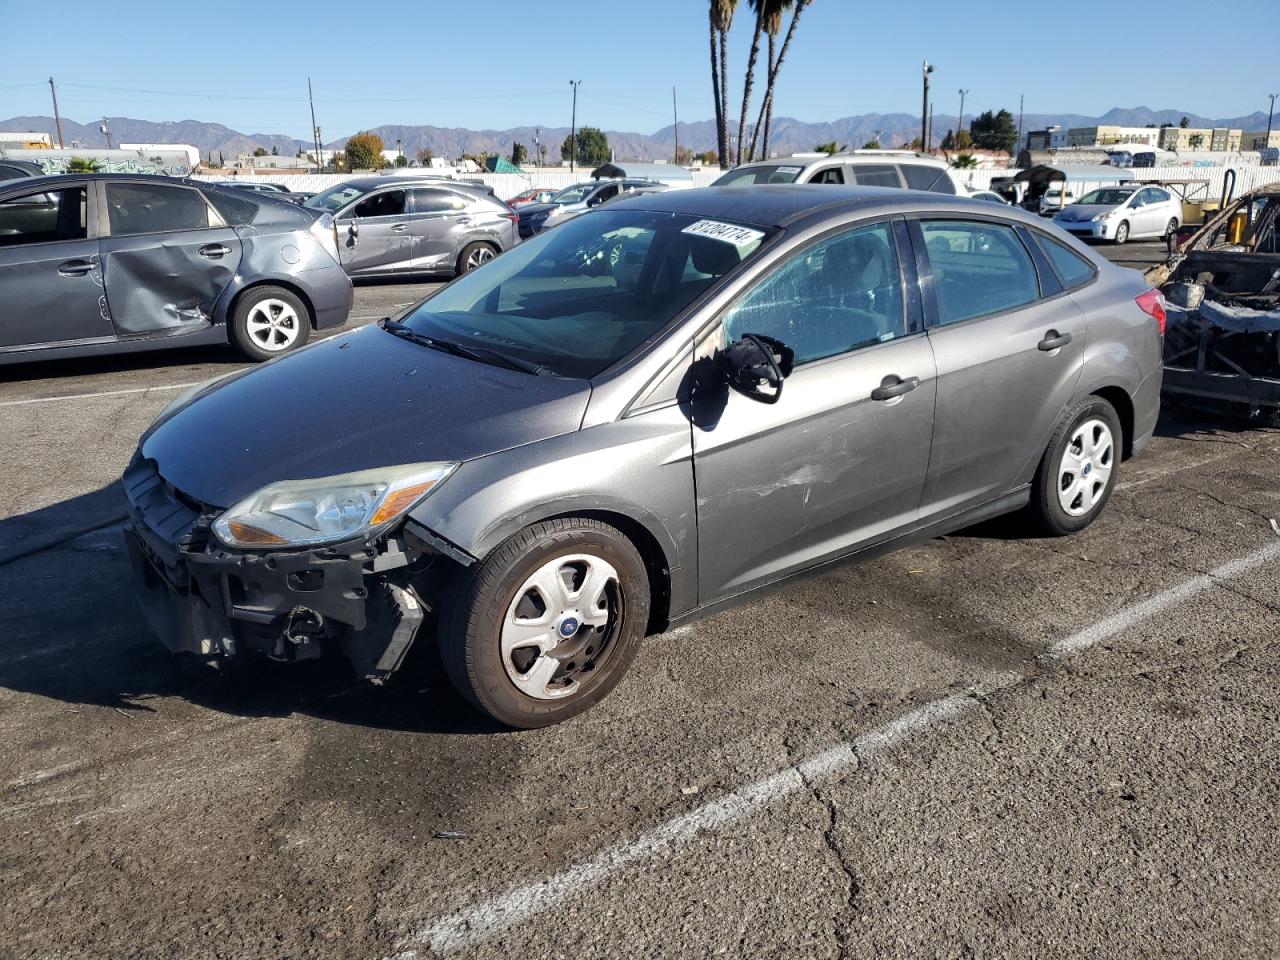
(1116, 801)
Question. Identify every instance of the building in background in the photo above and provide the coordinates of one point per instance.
(1260, 140)
(1050, 138)
(1109, 136)
(1181, 139)
(25, 140)
(193, 153)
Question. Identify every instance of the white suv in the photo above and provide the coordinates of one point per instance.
(904, 169)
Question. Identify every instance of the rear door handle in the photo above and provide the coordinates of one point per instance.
(1053, 340)
(400, 227)
(464, 221)
(212, 251)
(75, 268)
(894, 386)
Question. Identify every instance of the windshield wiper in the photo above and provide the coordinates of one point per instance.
(478, 354)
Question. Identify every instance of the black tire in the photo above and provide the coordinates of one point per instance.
(475, 254)
(1170, 229)
(259, 303)
(1122, 232)
(1046, 506)
(472, 623)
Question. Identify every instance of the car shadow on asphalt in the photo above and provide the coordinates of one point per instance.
(71, 630)
(220, 354)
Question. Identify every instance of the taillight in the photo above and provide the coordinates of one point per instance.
(1153, 306)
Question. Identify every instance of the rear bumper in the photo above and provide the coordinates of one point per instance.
(289, 605)
(331, 296)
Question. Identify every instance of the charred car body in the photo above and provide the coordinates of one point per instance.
(1223, 287)
(588, 439)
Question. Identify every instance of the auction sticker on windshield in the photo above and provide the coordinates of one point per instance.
(793, 170)
(728, 232)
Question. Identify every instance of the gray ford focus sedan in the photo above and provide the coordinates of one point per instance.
(660, 408)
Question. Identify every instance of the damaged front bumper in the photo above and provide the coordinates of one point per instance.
(362, 598)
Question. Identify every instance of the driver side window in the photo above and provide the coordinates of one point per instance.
(840, 294)
(389, 203)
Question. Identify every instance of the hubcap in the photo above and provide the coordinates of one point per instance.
(1085, 469)
(560, 625)
(273, 325)
(479, 256)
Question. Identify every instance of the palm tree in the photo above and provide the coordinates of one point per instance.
(721, 15)
(774, 12)
(759, 6)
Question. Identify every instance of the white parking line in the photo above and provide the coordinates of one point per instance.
(104, 393)
(488, 918)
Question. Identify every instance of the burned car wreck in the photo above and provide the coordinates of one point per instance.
(1223, 289)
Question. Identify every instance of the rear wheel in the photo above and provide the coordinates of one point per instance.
(475, 255)
(1122, 233)
(1170, 228)
(547, 625)
(1079, 468)
(269, 321)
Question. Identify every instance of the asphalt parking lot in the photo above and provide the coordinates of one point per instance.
(988, 745)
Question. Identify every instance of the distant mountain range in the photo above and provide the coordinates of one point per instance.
(789, 135)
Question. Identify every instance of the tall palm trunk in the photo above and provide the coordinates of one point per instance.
(717, 94)
(724, 101)
(747, 82)
(775, 67)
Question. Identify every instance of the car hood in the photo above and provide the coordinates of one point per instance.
(1080, 211)
(356, 401)
(533, 209)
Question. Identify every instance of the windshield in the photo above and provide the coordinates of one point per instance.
(765, 173)
(579, 298)
(335, 197)
(1109, 198)
(575, 194)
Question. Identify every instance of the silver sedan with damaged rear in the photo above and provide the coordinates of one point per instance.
(658, 409)
(108, 263)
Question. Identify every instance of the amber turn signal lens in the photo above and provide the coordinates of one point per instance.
(400, 501)
(251, 536)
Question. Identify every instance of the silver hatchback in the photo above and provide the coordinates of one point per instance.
(397, 226)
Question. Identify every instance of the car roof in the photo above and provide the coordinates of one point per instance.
(781, 205)
(849, 156)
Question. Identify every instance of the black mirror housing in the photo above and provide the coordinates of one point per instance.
(756, 365)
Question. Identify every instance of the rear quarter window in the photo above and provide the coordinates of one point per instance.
(235, 210)
(1072, 268)
(876, 175)
(920, 176)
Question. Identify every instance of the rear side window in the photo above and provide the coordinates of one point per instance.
(876, 175)
(829, 175)
(43, 217)
(1070, 266)
(769, 173)
(838, 295)
(429, 200)
(135, 208)
(235, 210)
(11, 173)
(978, 268)
(922, 177)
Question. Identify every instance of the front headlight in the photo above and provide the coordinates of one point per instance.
(329, 509)
(1103, 216)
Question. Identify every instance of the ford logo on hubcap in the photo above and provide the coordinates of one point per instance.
(568, 627)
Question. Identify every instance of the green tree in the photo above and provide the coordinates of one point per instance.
(364, 151)
(259, 151)
(425, 156)
(402, 161)
(994, 131)
(1195, 141)
(871, 145)
(1184, 122)
(519, 153)
(965, 161)
(829, 147)
(275, 151)
(593, 147)
(948, 141)
(82, 165)
(771, 16)
(963, 140)
(721, 19)
(708, 157)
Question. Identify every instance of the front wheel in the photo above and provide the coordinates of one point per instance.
(1170, 229)
(546, 625)
(269, 321)
(1079, 468)
(1122, 233)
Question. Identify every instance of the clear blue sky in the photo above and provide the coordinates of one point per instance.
(505, 63)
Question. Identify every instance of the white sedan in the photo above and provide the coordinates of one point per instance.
(1122, 213)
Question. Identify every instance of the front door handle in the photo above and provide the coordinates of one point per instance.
(212, 251)
(1053, 340)
(75, 268)
(400, 227)
(894, 386)
(464, 221)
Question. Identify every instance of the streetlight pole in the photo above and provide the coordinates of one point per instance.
(57, 117)
(926, 68)
(106, 131)
(315, 131)
(1270, 112)
(573, 128)
(960, 122)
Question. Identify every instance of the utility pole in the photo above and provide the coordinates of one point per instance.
(319, 155)
(675, 117)
(1270, 112)
(925, 69)
(928, 147)
(58, 117)
(573, 128)
(960, 122)
(315, 131)
(1018, 145)
(106, 131)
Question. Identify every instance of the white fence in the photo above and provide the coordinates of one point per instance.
(1248, 177)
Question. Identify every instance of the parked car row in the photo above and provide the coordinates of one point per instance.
(1119, 214)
